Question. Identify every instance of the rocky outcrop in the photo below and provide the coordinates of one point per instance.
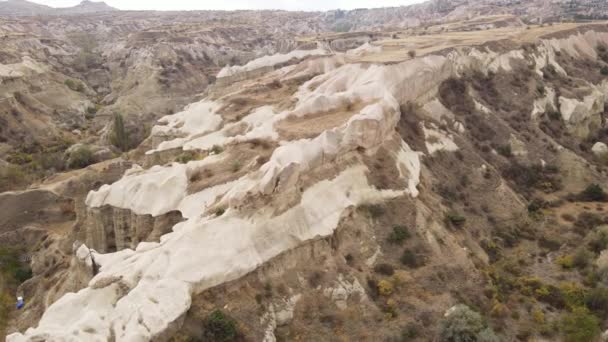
(109, 229)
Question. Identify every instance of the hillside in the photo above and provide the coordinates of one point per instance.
(216, 179)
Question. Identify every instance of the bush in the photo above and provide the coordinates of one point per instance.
(410, 259)
(599, 241)
(74, 85)
(22, 274)
(217, 149)
(119, 136)
(593, 193)
(79, 158)
(219, 327)
(412, 53)
(91, 111)
(597, 301)
(455, 219)
(580, 325)
(462, 324)
(386, 269)
(587, 221)
(11, 177)
(565, 261)
(385, 287)
(398, 235)
(582, 258)
(505, 150)
(186, 157)
(604, 70)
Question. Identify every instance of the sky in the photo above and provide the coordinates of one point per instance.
(305, 5)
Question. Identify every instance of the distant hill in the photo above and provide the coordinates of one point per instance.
(27, 8)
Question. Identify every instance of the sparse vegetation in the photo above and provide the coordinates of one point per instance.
(455, 219)
(74, 85)
(411, 259)
(219, 327)
(399, 235)
(119, 136)
(593, 193)
(465, 325)
(80, 157)
(580, 325)
(217, 149)
(411, 53)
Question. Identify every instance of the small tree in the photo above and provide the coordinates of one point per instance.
(411, 53)
(219, 327)
(81, 157)
(465, 325)
(594, 193)
(119, 137)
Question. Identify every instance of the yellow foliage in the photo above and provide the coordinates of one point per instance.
(385, 287)
(498, 309)
(538, 316)
(565, 261)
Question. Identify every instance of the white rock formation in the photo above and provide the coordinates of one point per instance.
(267, 61)
(599, 149)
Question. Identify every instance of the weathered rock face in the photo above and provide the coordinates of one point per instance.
(109, 229)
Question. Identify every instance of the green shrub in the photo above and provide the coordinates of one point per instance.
(79, 158)
(565, 261)
(186, 157)
(11, 177)
(598, 241)
(411, 53)
(19, 158)
(505, 150)
(91, 111)
(22, 274)
(220, 212)
(455, 219)
(74, 85)
(582, 258)
(580, 326)
(217, 149)
(596, 300)
(399, 235)
(219, 327)
(411, 259)
(119, 136)
(593, 193)
(604, 70)
(465, 325)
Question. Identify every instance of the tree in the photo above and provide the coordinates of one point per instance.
(119, 137)
(79, 158)
(465, 325)
(594, 193)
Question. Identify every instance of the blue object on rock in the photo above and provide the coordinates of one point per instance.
(20, 302)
